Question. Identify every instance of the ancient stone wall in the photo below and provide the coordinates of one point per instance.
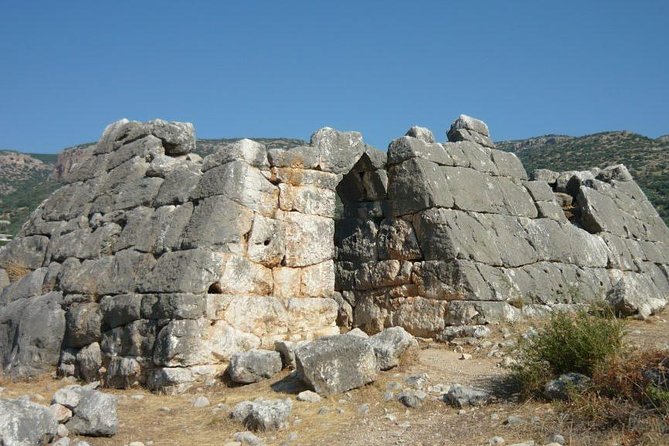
(154, 265)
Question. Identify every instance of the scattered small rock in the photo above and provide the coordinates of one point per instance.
(309, 396)
(463, 396)
(201, 401)
(418, 382)
(557, 438)
(248, 438)
(412, 398)
(558, 389)
(496, 441)
(465, 356)
(514, 420)
(363, 409)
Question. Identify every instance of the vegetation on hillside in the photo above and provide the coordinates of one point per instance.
(646, 158)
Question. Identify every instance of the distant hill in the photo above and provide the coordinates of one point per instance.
(25, 180)
(646, 158)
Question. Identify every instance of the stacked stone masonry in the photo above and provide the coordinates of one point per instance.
(154, 266)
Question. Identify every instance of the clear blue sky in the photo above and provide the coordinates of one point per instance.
(286, 68)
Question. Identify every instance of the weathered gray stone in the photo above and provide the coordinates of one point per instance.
(263, 415)
(190, 271)
(233, 221)
(123, 372)
(121, 309)
(337, 151)
(410, 146)
(83, 324)
(134, 339)
(560, 388)
(251, 152)
(417, 184)
(173, 306)
(636, 294)
(336, 364)
(178, 137)
(31, 333)
(254, 365)
(26, 424)
(421, 133)
(90, 362)
(95, 415)
(23, 253)
(30, 285)
(464, 396)
(178, 187)
(397, 240)
(241, 183)
(391, 345)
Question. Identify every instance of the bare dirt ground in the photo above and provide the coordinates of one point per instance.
(340, 420)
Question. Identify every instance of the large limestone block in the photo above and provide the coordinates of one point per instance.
(311, 318)
(450, 280)
(31, 334)
(391, 345)
(417, 184)
(178, 186)
(249, 151)
(356, 240)
(112, 133)
(178, 137)
(540, 190)
(173, 306)
(116, 274)
(27, 286)
(217, 222)
(635, 294)
(154, 231)
(517, 201)
(238, 275)
(83, 324)
(305, 177)
(421, 133)
(69, 201)
(317, 280)
(337, 151)
(419, 316)
(446, 234)
(473, 190)
(241, 183)
(287, 281)
(24, 423)
(508, 164)
(84, 243)
(397, 240)
(266, 243)
(190, 271)
(120, 309)
(383, 273)
(599, 213)
(479, 158)
(134, 339)
(309, 239)
(23, 253)
(139, 193)
(408, 147)
(182, 343)
(510, 237)
(254, 365)
(146, 148)
(478, 313)
(123, 372)
(336, 364)
(307, 200)
(95, 415)
(302, 157)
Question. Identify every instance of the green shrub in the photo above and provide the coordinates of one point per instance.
(570, 342)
